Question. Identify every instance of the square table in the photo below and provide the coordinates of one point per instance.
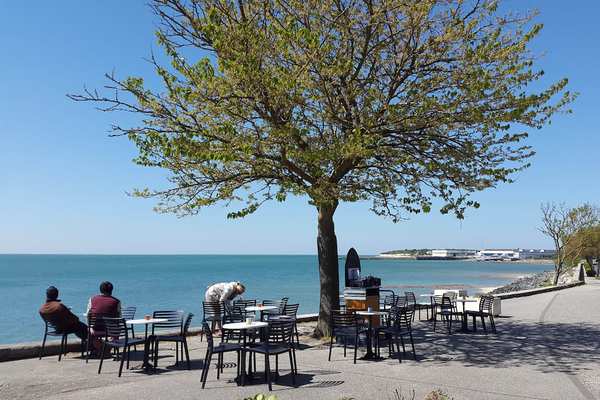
(370, 314)
(244, 326)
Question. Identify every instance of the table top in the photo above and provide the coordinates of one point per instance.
(427, 295)
(143, 321)
(261, 308)
(466, 300)
(242, 325)
(370, 313)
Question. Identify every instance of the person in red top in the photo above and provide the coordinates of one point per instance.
(104, 303)
(59, 315)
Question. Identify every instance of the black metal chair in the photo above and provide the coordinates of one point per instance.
(212, 311)
(290, 312)
(181, 337)
(411, 301)
(280, 304)
(173, 323)
(95, 330)
(399, 327)
(446, 309)
(219, 350)
(239, 306)
(278, 340)
(485, 310)
(51, 330)
(128, 313)
(116, 336)
(345, 326)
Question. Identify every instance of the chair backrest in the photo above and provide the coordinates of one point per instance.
(174, 320)
(280, 331)
(280, 304)
(128, 312)
(401, 301)
(402, 317)
(231, 335)
(485, 303)
(187, 323)
(389, 300)
(291, 310)
(212, 309)
(447, 302)
(239, 306)
(94, 321)
(49, 326)
(342, 320)
(114, 327)
(411, 299)
(451, 295)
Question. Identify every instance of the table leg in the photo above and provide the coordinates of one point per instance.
(370, 355)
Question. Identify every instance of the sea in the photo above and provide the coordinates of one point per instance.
(168, 282)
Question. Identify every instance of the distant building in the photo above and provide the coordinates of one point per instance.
(514, 254)
(536, 253)
(453, 253)
(498, 254)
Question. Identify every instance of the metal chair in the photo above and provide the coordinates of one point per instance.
(290, 312)
(128, 313)
(95, 330)
(485, 310)
(446, 309)
(177, 338)
(401, 326)
(212, 311)
(280, 304)
(116, 335)
(345, 326)
(219, 350)
(411, 301)
(174, 322)
(279, 340)
(50, 329)
(239, 306)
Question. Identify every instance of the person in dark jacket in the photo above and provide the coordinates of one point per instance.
(56, 313)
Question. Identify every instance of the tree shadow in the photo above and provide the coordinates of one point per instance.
(548, 347)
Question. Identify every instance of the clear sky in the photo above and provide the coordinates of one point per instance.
(63, 181)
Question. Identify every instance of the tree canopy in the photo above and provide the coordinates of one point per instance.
(390, 101)
(408, 105)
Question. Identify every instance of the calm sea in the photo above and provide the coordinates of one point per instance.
(178, 282)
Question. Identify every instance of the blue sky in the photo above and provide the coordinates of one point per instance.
(63, 181)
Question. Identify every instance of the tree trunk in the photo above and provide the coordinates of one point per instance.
(328, 268)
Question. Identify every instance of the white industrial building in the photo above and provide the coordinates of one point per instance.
(514, 254)
(458, 253)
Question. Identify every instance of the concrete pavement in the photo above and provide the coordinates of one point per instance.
(547, 347)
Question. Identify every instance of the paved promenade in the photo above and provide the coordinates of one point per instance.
(547, 348)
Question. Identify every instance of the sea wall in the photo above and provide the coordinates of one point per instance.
(19, 351)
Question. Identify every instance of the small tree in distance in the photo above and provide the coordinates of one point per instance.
(566, 227)
(404, 104)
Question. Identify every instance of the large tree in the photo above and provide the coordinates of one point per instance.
(407, 104)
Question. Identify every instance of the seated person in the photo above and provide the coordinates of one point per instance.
(103, 305)
(59, 315)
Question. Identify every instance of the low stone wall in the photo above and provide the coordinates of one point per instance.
(531, 292)
(19, 351)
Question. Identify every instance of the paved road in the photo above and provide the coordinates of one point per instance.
(547, 348)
